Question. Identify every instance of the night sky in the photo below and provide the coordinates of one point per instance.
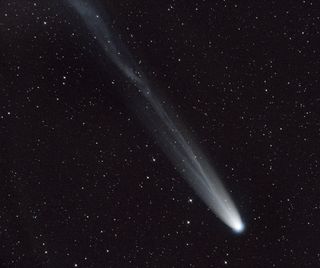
(84, 184)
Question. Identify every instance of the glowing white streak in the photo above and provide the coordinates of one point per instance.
(184, 154)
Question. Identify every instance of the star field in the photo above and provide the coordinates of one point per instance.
(84, 184)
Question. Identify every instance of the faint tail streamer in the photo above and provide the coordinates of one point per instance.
(162, 122)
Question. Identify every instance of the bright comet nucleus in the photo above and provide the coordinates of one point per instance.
(238, 227)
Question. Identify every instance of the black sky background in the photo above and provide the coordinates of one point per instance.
(83, 184)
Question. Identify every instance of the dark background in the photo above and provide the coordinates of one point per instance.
(84, 185)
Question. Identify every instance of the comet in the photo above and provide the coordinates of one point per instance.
(161, 120)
